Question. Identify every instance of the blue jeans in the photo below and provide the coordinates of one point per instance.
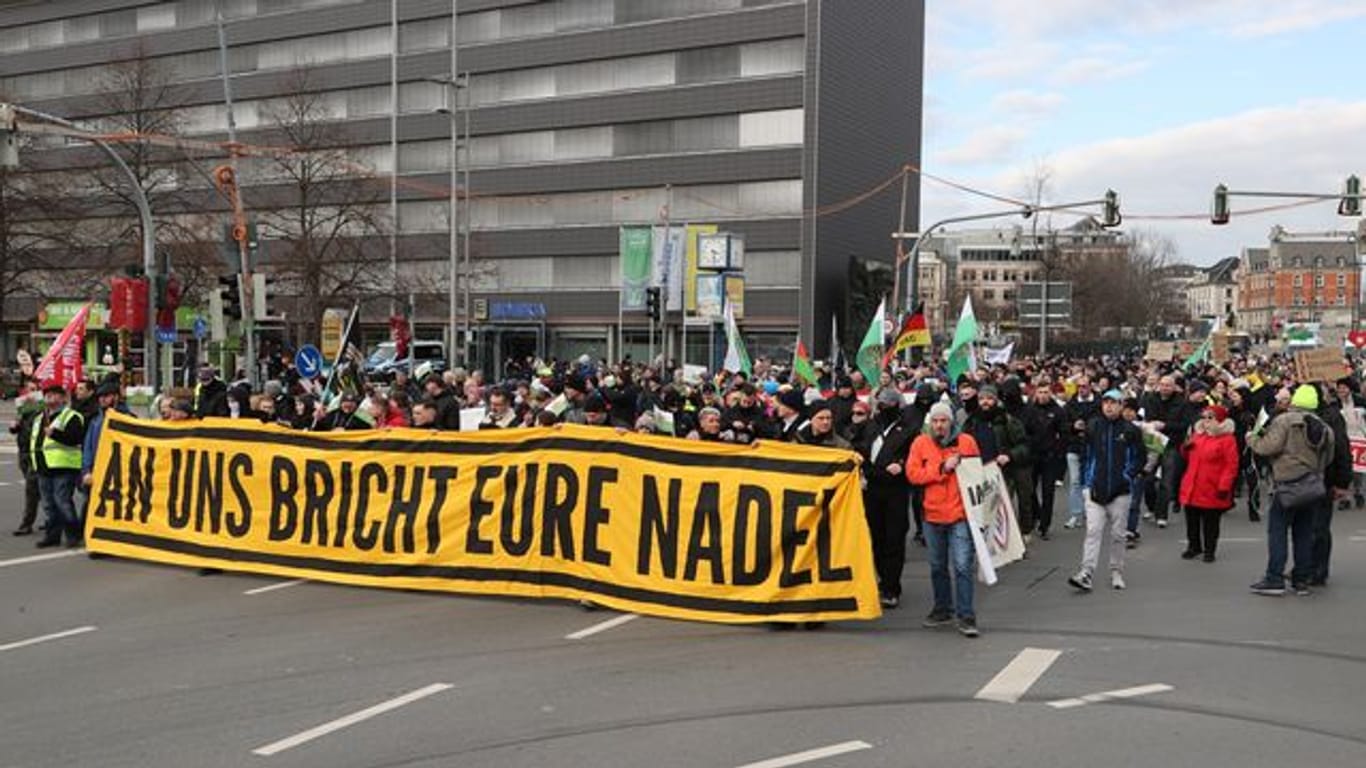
(1300, 524)
(942, 541)
(1076, 506)
(56, 490)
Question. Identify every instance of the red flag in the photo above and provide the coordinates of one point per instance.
(62, 363)
(401, 333)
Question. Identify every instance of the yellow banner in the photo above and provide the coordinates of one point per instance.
(645, 524)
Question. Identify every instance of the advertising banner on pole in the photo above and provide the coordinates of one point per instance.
(635, 254)
(666, 263)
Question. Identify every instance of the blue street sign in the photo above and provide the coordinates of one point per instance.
(201, 328)
(309, 361)
(166, 336)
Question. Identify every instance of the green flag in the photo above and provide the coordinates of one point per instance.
(737, 358)
(635, 254)
(801, 364)
(869, 358)
(961, 356)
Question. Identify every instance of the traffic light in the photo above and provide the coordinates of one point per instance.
(652, 307)
(1351, 197)
(171, 292)
(231, 296)
(1111, 217)
(1219, 211)
(262, 296)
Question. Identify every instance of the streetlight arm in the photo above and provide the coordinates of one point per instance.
(148, 230)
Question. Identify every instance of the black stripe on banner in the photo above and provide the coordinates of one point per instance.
(484, 448)
(486, 575)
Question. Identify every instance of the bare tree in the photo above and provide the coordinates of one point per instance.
(330, 208)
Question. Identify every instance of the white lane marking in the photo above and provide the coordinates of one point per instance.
(1357, 539)
(45, 638)
(1122, 693)
(4, 483)
(1016, 678)
(273, 587)
(810, 755)
(603, 627)
(349, 720)
(41, 558)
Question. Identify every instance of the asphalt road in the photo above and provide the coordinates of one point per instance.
(120, 663)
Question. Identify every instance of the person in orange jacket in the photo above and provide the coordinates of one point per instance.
(932, 464)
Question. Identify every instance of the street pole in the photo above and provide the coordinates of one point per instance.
(149, 237)
(393, 151)
(901, 245)
(468, 221)
(239, 213)
(453, 94)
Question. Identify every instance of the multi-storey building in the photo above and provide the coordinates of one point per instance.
(1213, 294)
(1299, 277)
(763, 118)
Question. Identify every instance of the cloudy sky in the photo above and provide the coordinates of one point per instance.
(1157, 99)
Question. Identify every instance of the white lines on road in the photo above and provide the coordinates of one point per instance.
(1123, 693)
(810, 755)
(41, 558)
(1357, 539)
(45, 638)
(603, 627)
(1022, 672)
(349, 720)
(273, 587)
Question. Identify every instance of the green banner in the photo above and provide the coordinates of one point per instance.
(636, 253)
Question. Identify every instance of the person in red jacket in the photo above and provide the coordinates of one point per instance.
(1211, 455)
(932, 464)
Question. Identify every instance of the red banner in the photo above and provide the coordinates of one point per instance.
(128, 303)
(401, 334)
(62, 363)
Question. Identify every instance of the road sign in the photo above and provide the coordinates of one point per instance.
(201, 328)
(1029, 303)
(309, 361)
(166, 336)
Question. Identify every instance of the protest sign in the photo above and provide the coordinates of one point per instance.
(1160, 350)
(991, 516)
(1323, 364)
(682, 529)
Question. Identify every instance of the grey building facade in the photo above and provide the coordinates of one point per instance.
(761, 117)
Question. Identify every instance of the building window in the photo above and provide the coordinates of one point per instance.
(1299, 300)
(988, 295)
(1342, 280)
(1295, 261)
(1318, 262)
(1342, 300)
(1298, 281)
(1318, 281)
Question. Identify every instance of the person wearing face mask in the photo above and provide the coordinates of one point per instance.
(1002, 439)
(886, 496)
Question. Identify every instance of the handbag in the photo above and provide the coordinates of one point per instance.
(1302, 491)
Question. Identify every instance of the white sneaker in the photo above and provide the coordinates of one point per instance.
(1117, 580)
(1080, 580)
(1070, 524)
(1161, 523)
(1148, 515)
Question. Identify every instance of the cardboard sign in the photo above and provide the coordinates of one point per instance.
(1218, 349)
(1185, 348)
(1319, 365)
(1359, 456)
(995, 530)
(1160, 350)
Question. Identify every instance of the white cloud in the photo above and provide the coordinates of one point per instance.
(1295, 17)
(992, 144)
(1027, 103)
(1085, 70)
(1308, 146)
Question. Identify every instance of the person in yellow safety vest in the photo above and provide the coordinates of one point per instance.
(55, 449)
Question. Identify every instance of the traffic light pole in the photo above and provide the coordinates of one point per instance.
(149, 237)
(239, 230)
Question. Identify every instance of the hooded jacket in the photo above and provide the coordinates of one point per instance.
(1211, 456)
(1114, 456)
(943, 502)
(1297, 443)
(996, 433)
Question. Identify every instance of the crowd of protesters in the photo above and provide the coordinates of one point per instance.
(1127, 440)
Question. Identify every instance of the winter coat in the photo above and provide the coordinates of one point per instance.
(997, 432)
(1339, 471)
(1176, 414)
(1211, 456)
(1045, 426)
(943, 501)
(1079, 410)
(830, 439)
(1297, 443)
(896, 442)
(1114, 456)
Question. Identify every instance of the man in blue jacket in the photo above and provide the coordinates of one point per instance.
(1114, 456)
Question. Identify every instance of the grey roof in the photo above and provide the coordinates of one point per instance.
(1222, 271)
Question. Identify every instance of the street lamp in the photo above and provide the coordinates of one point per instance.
(460, 135)
(10, 115)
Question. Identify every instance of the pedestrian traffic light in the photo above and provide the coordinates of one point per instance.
(1351, 197)
(231, 296)
(652, 303)
(1111, 217)
(262, 296)
(1219, 211)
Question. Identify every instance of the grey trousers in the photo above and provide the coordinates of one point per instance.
(1100, 519)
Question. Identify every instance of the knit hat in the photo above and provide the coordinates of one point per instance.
(1306, 398)
(107, 388)
(793, 399)
(987, 390)
(889, 396)
(941, 408)
(1219, 411)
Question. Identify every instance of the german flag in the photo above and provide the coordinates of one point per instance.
(915, 332)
